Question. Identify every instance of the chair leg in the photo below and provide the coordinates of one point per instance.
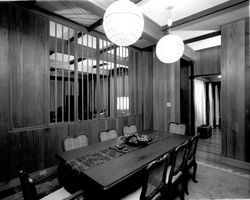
(194, 173)
(185, 185)
(167, 194)
(182, 192)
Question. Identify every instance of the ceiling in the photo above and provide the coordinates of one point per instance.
(191, 18)
(210, 79)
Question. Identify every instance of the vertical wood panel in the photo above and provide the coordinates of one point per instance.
(247, 91)
(76, 86)
(139, 83)
(176, 92)
(147, 89)
(208, 61)
(166, 89)
(233, 92)
(158, 93)
(28, 44)
(131, 77)
(166, 95)
(35, 149)
(4, 88)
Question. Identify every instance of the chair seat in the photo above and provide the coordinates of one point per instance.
(134, 195)
(57, 195)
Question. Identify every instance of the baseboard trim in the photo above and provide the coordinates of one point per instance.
(236, 163)
(216, 158)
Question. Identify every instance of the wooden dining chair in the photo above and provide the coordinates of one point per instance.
(177, 128)
(29, 187)
(129, 130)
(191, 161)
(154, 181)
(107, 135)
(176, 172)
(79, 141)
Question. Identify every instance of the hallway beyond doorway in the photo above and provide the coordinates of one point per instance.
(212, 144)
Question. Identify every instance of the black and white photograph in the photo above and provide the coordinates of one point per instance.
(125, 100)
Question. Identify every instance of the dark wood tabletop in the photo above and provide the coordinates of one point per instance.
(112, 172)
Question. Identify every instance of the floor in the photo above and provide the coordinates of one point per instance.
(209, 151)
(212, 144)
(218, 183)
(216, 179)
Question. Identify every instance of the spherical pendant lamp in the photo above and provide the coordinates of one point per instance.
(169, 48)
(123, 23)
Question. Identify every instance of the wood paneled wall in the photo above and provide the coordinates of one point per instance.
(247, 89)
(4, 90)
(146, 88)
(28, 65)
(35, 149)
(208, 61)
(235, 90)
(166, 89)
(27, 140)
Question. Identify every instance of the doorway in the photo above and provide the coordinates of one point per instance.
(186, 96)
(207, 113)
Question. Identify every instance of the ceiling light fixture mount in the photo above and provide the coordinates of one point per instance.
(123, 22)
(170, 22)
(170, 47)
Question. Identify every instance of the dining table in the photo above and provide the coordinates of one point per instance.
(105, 166)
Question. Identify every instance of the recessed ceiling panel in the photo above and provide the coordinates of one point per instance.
(70, 10)
(214, 22)
(156, 9)
(207, 43)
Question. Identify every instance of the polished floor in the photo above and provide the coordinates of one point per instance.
(216, 179)
(218, 183)
(209, 152)
(211, 144)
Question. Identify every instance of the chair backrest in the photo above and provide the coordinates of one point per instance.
(192, 147)
(155, 178)
(129, 130)
(28, 186)
(177, 128)
(70, 143)
(179, 160)
(107, 135)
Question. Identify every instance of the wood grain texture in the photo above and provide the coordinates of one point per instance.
(146, 74)
(166, 88)
(27, 140)
(28, 38)
(131, 80)
(4, 88)
(247, 89)
(35, 149)
(158, 94)
(208, 61)
(233, 90)
(185, 95)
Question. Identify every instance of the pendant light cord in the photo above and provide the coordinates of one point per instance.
(170, 22)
